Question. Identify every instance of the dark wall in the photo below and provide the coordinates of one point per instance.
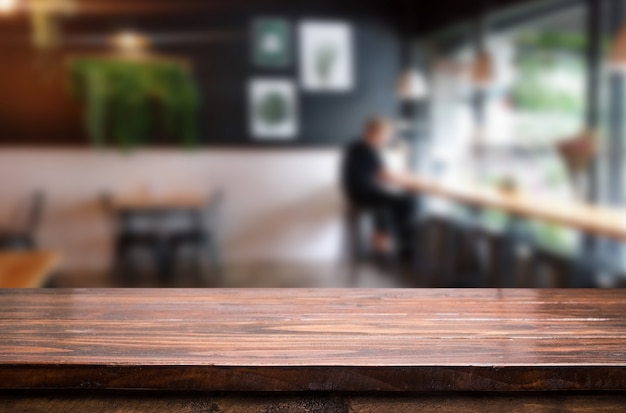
(36, 108)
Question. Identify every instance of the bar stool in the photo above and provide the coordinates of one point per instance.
(464, 264)
(358, 251)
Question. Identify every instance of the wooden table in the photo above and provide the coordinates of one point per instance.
(146, 201)
(26, 269)
(609, 223)
(313, 350)
(157, 209)
(593, 220)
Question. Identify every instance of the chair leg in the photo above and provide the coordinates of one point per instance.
(164, 260)
(173, 255)
(453, 241)
(206, 246)
(352, 250)
(28, 242)
(122, 268)
(214, 256)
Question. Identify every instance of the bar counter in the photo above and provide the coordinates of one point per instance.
(330, 350)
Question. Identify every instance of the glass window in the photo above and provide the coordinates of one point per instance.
(536, 99)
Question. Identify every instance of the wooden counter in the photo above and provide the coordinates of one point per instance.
(591, 219)
(529, 350)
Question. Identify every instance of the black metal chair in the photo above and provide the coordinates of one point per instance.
(201, 234)
(23, 235)
(129, 239)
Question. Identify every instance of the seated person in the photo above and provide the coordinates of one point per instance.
(370, 186)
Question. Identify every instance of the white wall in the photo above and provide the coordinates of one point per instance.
(281, 205)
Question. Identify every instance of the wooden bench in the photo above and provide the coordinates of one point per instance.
(313, 350)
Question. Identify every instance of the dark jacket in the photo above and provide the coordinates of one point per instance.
(360, 170)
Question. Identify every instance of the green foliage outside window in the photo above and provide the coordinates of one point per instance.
(542, 57)
(548, 95)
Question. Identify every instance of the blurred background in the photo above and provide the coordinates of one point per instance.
(193, 143)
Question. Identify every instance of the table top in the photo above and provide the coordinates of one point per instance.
(595, 220)
(290, 340)
(146, 201)
(26, 269)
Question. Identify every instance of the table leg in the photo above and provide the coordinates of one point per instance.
(513, 234)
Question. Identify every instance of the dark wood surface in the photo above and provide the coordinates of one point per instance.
(314, 340)
(311, 403)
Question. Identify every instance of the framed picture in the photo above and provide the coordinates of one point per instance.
(271, 42)
(326, 56)
(273, 109)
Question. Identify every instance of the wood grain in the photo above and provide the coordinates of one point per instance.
(311, 403)
(26, 269)
(595, 220)
(147, 201)
(314, 340)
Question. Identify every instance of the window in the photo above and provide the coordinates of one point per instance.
(537, 98)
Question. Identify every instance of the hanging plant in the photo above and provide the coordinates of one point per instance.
(579, 151)
(121, 97)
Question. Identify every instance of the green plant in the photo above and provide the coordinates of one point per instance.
(325, 60)
(122, 96)
(541, 58)
(535, 91)
(572, 42)
(273, 109)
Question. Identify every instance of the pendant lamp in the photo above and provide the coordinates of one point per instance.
(617, 52)
(482, 71)
(412, 85)
(482, 67)
(8, 6)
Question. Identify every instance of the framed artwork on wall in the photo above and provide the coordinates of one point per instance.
(273, 109)
(326, 56)
(271, 42)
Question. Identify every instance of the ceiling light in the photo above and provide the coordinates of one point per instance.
(412, 85)
(130, 42)
(617, 54)
(8, 6)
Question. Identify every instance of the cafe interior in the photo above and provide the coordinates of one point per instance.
(159, 143)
